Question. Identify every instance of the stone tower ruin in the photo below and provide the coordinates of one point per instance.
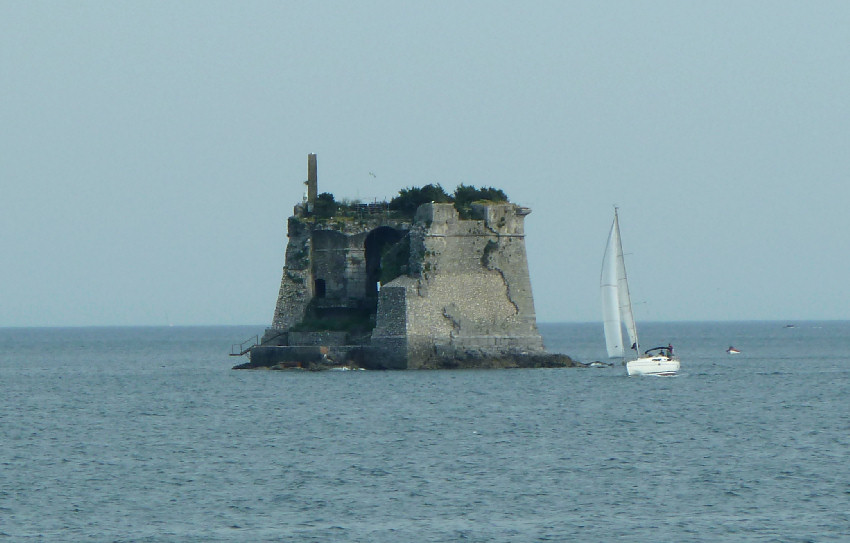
(365, 286)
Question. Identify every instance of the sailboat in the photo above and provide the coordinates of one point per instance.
(617, 313)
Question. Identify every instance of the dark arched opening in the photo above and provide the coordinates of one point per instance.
(374, 245)
(319, 288)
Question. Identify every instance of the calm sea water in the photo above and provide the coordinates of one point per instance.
(146, 434)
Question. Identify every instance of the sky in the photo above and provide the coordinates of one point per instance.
(151, 152)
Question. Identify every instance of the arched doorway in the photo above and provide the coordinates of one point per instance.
(374, 245)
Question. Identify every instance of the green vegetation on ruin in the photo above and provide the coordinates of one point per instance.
(409, 199)
(395, 260)
(404, 205)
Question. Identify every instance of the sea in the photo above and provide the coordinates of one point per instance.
(148, 435)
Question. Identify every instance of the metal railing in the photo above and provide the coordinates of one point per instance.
(239, 349)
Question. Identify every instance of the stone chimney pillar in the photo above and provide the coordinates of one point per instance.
(312, 181)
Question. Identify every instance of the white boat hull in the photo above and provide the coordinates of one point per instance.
(653, 365)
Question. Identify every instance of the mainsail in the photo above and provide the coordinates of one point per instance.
(616, 302)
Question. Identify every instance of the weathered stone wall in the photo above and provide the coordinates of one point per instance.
(354, 271)
(296, 280)
(329, 262)
(391, 325)
(331, 252)
(317, 338)
(470, 296)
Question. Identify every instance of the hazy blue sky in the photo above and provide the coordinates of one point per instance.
(151, 152)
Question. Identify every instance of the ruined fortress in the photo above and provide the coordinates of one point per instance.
(367, 287)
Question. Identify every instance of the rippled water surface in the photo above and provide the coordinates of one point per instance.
(146, 434)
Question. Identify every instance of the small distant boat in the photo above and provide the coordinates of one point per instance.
(617, 311)
(732, 350)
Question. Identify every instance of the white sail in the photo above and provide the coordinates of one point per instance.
(610, 295)
(626, 313)
(616, 302)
